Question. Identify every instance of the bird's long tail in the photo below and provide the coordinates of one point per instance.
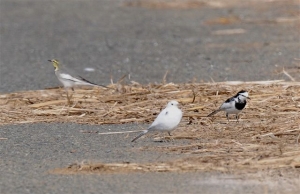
(140, 135)
(93, 84)
(211, 114)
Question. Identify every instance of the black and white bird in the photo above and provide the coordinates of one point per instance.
(233, 105)
(167, 120)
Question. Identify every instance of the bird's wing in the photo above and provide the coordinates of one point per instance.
(160, 118)
(230, 99)
(227, 104)
(167, 119)
(79, 80)
(85, 80)
(69, 77)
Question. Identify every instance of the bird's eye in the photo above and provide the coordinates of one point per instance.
(172, 104)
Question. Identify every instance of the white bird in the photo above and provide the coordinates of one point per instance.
(233, 105)
(68, 80)
(167, 120)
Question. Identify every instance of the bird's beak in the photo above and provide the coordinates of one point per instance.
(50, 60)
(248, 98)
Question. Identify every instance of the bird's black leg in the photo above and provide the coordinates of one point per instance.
(169, 133)
(237, 118)
(227, 116)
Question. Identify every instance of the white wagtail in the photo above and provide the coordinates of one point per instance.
(233, 105)
(167, 120)
(68, 80)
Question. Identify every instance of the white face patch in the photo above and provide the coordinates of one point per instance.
(245, 95)
(172, 103)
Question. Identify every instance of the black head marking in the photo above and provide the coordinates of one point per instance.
(239, 93)
(242, 91)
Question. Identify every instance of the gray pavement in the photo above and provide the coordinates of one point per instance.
(144, 42)
(32, 150)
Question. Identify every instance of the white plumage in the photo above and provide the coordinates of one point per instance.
(167, 120)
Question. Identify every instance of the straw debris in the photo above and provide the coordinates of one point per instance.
(267, 136)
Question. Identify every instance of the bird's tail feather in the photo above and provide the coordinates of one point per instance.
(211, 114)
(140, 135)
(93, 84)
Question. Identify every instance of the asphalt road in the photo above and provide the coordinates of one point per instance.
(116, 40)
(32, 150)
(217, 41)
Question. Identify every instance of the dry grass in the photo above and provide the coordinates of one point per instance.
(267, 136)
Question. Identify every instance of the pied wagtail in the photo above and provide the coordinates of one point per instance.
(233, 105)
